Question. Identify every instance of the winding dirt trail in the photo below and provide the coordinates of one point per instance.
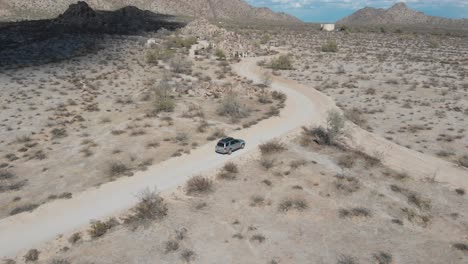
(304, 106)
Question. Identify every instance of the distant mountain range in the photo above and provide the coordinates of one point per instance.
(399, 14)
(220, 9)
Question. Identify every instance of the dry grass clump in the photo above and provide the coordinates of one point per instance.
(229, 171)
(461, 246)
(355, 115)
(198, 185)
(267, 163)
(289, 204)
(258, 238)
(99, 228)
(150, 207)
(345, 259)
(382, 258)
(272, 147)
(74, 238)
(217, 133)
(117, 169)
(59, 133)
(354, 212)
(347, 184)
(346, 161)
(31, 255)
(413, 198)
(171, 246)
(187, 255)
(233, 107)
(463, 161)
(24, 208)
(330, 46)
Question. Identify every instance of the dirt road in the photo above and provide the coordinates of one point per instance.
(304, 106)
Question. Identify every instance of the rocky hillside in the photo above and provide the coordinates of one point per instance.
(399, 14)
(221, 9)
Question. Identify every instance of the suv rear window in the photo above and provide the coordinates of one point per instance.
(221, 145)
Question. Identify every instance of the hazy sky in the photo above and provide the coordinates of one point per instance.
(332, 10)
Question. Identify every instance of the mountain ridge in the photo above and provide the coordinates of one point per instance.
(398, 14)
(11, 10)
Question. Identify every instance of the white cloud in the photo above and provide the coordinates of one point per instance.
(286, 4)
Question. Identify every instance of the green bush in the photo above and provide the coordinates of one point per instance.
(330, 46)
(154, 55)
(283, 62)
(179, 42)
(220, 54)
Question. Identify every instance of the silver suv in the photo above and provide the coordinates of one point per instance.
(228, 145)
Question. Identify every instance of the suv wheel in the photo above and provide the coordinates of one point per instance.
(242, 146)
(230, 151)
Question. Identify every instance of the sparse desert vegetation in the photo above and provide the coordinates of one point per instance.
(306, 194)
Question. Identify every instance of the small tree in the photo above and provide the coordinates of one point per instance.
(335, 125)
(163, 101)
(283, 62)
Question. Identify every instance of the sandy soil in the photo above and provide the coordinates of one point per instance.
(411, 89)
(244, 220)
(65, 124)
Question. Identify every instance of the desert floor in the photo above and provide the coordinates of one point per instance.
(74, 124)
(410, 88)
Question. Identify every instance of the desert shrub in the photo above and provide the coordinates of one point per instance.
(355, 115)
(117, 168)
(461, 246)
(460, 191)
(258, 237)
(198, 185)
(283, 62)
(345, 259)
(382, 258)
(272, 147)
(297, 163)
(267, 163)
(74, 238)
(279, 96)
(151, 206)
(31, 255)
(293, 204)
(180, 42)
(5, 175)
(187, 255)
(325, 136)
(171, 246)
(98, 228)
(24, 208)
(346, 161)
(181, 65)
(59, 261)
(217, 133)
(219, 53)
(59, 133)
(354, 212)
(463, 161)
(330, 46)
(347, 184)
(231, 167)
(335, 125)
(232, 106)
(163, 102)
(154, 55)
